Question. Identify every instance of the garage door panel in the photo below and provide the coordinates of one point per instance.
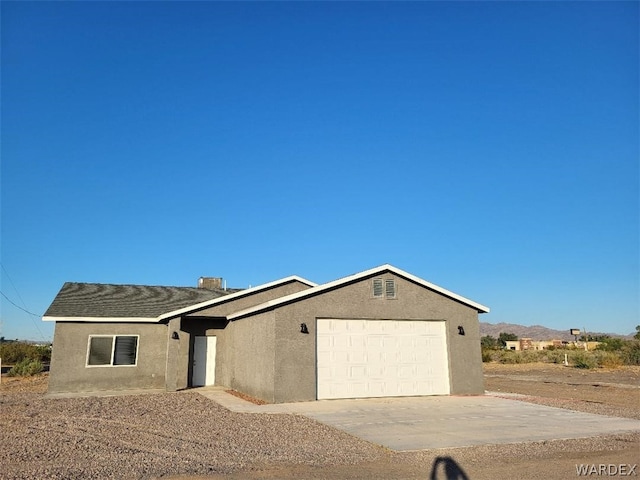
(377, 358)
(374, 341)
(357, 357)
(407, 356)
(340, 342)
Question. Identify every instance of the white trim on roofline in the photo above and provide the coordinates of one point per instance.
(190, 308)
(231, 296)
(101, 319)
(341, 281)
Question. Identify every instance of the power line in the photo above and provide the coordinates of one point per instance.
(19, 307)
(13, 285)
(23, 302)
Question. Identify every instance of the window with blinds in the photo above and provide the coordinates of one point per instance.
(112, 350)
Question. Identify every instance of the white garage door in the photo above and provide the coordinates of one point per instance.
(381, 358)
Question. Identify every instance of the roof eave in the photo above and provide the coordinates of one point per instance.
(50, 318)
(352, 278)
(233, 296)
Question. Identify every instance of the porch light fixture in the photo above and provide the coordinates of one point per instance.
(303, 328)
(460, 330)
(175, 336)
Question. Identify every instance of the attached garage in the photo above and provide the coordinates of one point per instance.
(381, 358)
(378, 333)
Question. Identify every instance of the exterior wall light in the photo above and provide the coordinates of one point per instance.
(303, 328)
(175, 336)
(460, 330)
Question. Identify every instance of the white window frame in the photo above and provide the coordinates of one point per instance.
(113, 349)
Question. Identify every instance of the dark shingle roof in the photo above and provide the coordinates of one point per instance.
(98, 300)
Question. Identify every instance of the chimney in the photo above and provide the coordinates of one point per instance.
(210, 283)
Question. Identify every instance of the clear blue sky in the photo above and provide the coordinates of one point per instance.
(489, 147)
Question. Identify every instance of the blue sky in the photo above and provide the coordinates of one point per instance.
(489, 147)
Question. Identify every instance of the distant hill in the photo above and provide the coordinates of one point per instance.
(535, 332)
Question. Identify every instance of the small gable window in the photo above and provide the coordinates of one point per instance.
(384, 288)
(112, 350)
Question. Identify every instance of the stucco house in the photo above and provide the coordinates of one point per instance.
(378, 333)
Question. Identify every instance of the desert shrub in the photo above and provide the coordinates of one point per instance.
(581, 359)
(630, 353)
(25, 368)
(608, 359)
(516, 356)
(531, 356)
(509, 357)
(487, 355)
(44, 353)
(14, 352)
(553, 356)
(610, 344)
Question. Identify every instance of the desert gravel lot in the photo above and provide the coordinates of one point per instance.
(186, 436)
(142, 436)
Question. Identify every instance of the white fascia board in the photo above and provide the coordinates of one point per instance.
(232, 296)
(102, 319)
(481, 308)
(351, 278)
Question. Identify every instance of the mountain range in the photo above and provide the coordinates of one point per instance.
(535, 332)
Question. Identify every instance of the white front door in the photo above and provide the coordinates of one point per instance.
(204, 361)
(381, 358)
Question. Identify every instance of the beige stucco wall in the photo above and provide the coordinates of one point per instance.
(69, 372)
(295, 353)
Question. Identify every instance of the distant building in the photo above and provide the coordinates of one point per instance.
(528, 344)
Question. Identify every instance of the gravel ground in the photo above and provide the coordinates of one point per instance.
(185, 435)
(611, 392)
(144, 436)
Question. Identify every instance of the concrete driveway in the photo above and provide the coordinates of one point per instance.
(418, 423)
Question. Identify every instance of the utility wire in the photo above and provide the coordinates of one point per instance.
(13, 285)
(19, 307)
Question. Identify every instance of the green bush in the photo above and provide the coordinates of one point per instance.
(630, 353)
(627, 354)
(14, 352)
(26, 368)
(487, 355)
(553, 356)
(608, 359)
(510, 357)
(611, 344)
(582, 359)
